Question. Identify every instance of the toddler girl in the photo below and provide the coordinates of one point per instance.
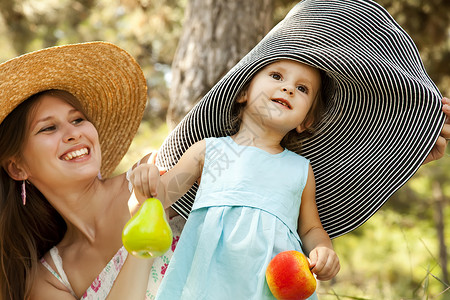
(256, 198)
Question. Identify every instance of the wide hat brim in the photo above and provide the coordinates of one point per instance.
(105, 78)
(383, 111)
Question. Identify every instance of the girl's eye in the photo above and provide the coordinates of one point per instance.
(275, 76)
(302, 89)
(47, 129)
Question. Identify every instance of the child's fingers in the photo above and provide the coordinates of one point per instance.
(310, 264)
(154, 180)
(330, 271)
(318, 266)
(136, 181)
(312, 260)
(330, 268)
(139, 179)
(326, 263)
(144, 178)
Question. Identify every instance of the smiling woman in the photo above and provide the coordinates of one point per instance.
(68, 115)
(56, 130)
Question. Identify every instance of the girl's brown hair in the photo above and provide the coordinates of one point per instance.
(26, 232)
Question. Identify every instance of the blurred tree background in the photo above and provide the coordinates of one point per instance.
(185, 46)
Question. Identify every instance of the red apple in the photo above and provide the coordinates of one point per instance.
(289, 277)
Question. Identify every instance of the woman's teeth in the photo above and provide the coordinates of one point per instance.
(76, 154)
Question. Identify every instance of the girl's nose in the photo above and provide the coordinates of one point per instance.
(288, 90)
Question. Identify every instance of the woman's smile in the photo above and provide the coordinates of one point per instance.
(60, 131)
(75, 154)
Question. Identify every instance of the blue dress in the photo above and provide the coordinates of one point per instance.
(245, 212)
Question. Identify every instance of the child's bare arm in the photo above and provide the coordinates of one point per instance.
(178, 180)
(316, 242)
(174, 183)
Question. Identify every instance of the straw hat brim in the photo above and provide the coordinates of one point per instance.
(383, 111)
(105, 78)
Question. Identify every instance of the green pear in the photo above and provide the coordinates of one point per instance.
(147, 234)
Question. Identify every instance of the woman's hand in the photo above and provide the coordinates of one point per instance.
(438, 150)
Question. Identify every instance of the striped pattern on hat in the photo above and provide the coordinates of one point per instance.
(383, 111)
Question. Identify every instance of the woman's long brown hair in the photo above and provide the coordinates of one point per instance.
(26, 232)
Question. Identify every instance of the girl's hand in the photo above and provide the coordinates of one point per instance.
(438, 150)
(145, 179)
(324, 262)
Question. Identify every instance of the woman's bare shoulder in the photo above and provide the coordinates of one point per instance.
(47, 286)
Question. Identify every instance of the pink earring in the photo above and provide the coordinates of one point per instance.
(24, 193)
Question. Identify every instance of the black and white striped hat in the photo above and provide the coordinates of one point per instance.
(383, 111)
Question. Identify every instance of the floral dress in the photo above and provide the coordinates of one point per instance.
(161, 263)
(101, 286)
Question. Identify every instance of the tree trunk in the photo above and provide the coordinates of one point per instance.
(439, 221)
(17, 24)
(216, 35)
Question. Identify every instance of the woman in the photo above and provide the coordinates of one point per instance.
(68, 116)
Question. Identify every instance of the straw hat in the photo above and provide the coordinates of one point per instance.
(106, 79)
(383, 112)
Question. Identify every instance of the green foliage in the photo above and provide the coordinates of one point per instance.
(395, 255)
(390, 257)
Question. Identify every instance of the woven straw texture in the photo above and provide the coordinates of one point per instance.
(106, 79)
